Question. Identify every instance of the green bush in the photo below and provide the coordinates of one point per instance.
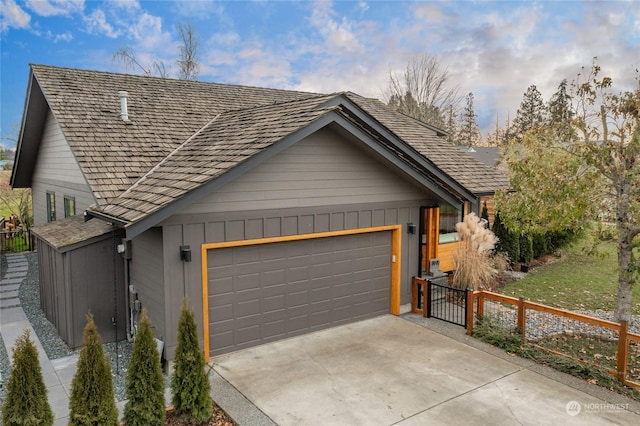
(145, 385)
(539, 244)
(190, 383)
(26, 401)
(526, 248)
(508, 241)
(92, 400)
(485, 212)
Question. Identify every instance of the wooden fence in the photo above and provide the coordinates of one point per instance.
(624, 337)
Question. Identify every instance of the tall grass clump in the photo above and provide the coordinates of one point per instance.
(476, 265)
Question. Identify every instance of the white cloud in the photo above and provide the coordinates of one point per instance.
(148, 34)
(128, 5)
(97, 24)
(12, 16)
(338, 34)
(66, 36)
(55, 7)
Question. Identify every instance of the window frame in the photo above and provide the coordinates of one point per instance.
(69, 201)
(51, 206)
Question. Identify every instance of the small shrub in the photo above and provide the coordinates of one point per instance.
(190, 383)
(474, 266)
(526, 248)
(539, 244)
(92, 400)
(145, 385)
(26, 401)
(489, 331)
(508, 241)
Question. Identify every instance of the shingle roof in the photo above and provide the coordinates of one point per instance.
(183, 134)
(66, 232)
(229, 139)
(469, 172)
(112, 153)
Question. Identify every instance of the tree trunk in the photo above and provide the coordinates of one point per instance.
(626, 234)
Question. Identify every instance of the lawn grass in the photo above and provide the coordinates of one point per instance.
(575, 281)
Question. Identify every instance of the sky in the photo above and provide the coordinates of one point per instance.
(495, 49)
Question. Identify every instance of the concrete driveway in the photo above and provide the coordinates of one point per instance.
(388, 371)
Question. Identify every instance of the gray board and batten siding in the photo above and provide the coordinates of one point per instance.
(57, 171)
(84, 278)
(295, 196)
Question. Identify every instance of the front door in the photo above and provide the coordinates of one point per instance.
(429, 226)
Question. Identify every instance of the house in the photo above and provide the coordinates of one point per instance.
(275, 212)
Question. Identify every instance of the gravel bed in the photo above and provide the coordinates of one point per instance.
(541, 324)
(119, 353)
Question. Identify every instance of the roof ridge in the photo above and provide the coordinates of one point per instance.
(166, 158)
(172, 79)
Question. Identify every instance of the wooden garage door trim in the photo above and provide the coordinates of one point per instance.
(395, 260)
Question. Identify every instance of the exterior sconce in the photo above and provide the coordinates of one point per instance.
(411, 228)
(185, 253)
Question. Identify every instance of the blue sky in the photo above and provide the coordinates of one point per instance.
(495, 49)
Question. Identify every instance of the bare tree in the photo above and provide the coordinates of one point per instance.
(423, 91)
(127, 56)
(187, 63)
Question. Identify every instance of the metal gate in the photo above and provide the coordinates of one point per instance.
(439, 301)
(447, 303)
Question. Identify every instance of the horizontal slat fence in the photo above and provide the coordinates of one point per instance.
(599, 342)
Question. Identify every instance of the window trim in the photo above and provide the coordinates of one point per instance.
(67, 204)
(51, 206)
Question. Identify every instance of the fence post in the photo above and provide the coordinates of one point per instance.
(470, 301)
(414, 295)
(521, 315)
(622, 351)
(480, 298)
(426, 304)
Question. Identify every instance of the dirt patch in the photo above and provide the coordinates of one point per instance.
(218, 418)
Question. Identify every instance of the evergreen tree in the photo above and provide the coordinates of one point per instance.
(450, 124)
(526, 248)
(92, 400)
(508, 241)
(531, 115)
(469, 132)
(190, 384)
(561, 113)
(145, 386)
(26, 402)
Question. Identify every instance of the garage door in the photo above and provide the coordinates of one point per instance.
(266, 292)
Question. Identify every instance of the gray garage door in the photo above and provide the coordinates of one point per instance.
(267, 292)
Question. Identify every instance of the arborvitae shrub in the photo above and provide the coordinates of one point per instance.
(526, 248)
(26, 402)
(485, 212)
(539, 244)
(92, 400)
(145, 385)
(508, 241)
(190, 384)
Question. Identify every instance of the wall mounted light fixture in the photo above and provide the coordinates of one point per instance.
(185, 253)
(411, 228)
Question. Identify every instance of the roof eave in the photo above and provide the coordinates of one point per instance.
(30, 136)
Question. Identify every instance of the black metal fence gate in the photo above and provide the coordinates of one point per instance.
(446, 303)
